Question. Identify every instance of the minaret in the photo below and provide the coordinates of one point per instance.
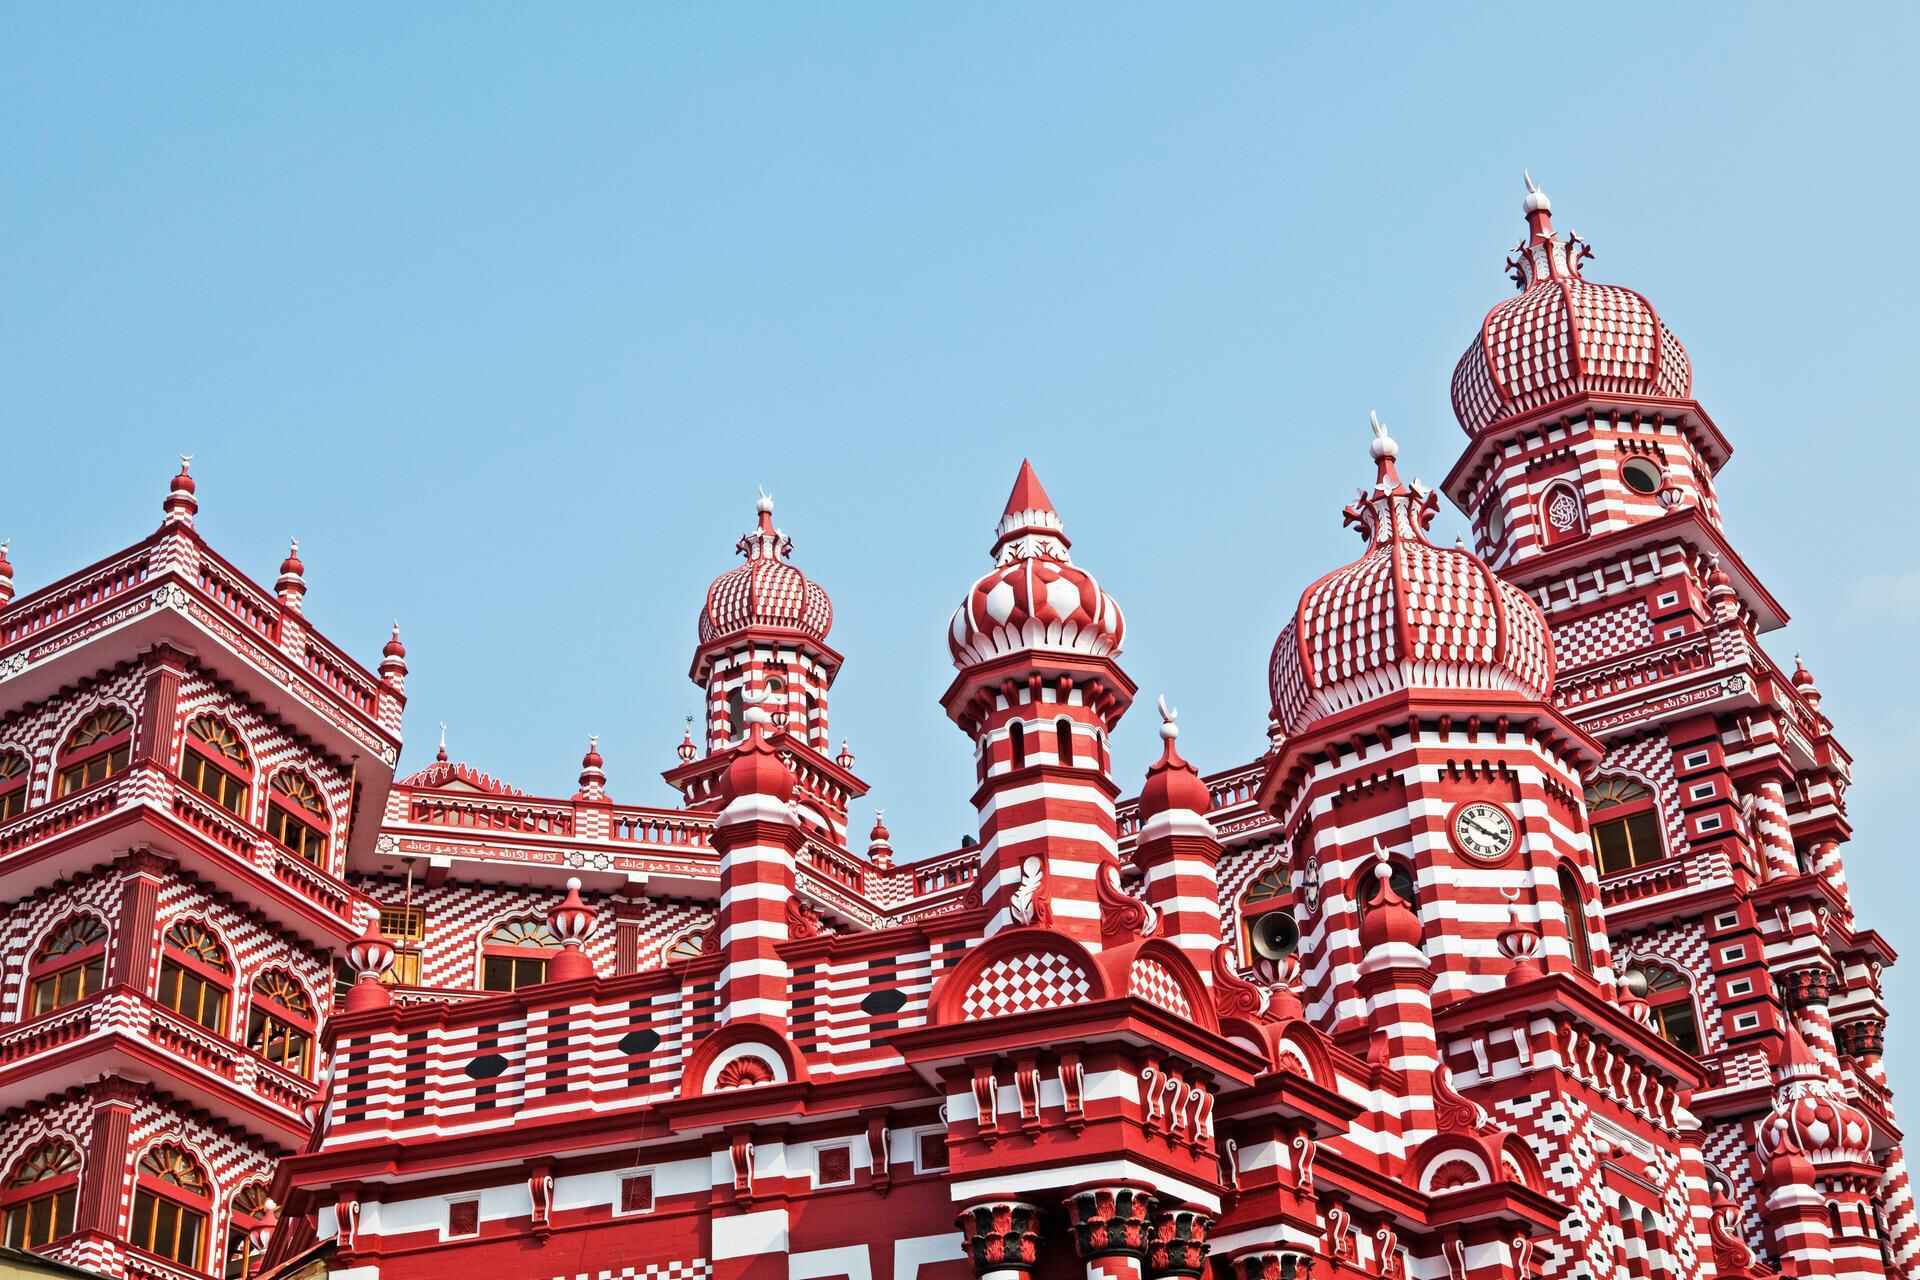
(1178, 851)
(1038, 692)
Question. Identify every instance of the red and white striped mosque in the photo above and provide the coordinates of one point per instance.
(1525, 950)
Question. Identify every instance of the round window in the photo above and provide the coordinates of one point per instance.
(1641, 476)
(1494, 520)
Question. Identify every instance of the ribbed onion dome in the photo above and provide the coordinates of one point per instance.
(1811, 1114)
(767, 592)
(1034, 597)
(1562, 334)
(1405, 615)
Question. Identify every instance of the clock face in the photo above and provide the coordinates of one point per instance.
(1483, 830)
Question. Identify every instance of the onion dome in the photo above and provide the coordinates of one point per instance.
(1811, 1115)
(767, 592)
(570, 919)
(393, 658)
(756, 769)
(880, 843)
(1405, 615)
(6, 574)
(1389, 921)
(369, 957)
(180, 505)
(1562, 335)
(291, 585)
(1034, 597)
(1172, 783)
(593, 772)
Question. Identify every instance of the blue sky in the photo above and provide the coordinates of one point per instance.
(505, 318)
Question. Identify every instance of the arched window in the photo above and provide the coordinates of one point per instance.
(297, 817)
(249, 1216)
(1017, 739)
(215, 764)
(99, 747)
(688, 946)
(1100, 748)
(736, 714)
(1563, 515)
(1833, 1220)
(280, 1022)
(70, 965)
(13, 785)
(1575, 904)
(38, 1201)
(1624, 824)
(195, 975)
(171, 1204)
(1669, 998)
(515, 955)
(1063, 739)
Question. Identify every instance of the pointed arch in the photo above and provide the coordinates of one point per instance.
(281, 1021)
(68, 964)
(515, 951)
(248, 1214)
(98, 746)
(1573, 901)
(196, 973)
(41, 1192)
(172, 1204)
(215, 761)
(298, 816)
(1563, 513)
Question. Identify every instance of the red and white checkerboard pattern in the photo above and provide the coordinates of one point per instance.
(38, 730)
(1032, 980)
(1597, 637)
(689, 1269)
(1155, 983)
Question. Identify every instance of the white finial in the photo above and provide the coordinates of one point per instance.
(186, 461)
(1384, 445)
(1168, 715)
(879, 815)
(765, 505)
(593, 742)
(755, 711)
(1536, 201)
(573, 883)
(443, 735)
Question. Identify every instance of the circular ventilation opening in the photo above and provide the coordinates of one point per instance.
(1641, 476)
(1495, 522)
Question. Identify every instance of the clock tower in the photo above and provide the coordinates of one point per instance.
(1413, 722)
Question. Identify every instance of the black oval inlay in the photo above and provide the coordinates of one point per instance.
(486, 1066)
(884, 1001)
(640, 1042)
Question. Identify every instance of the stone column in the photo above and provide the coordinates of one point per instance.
(1110, 1229)
(1001, 1238)
(1179, 1244)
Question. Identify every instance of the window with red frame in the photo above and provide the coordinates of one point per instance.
(171, 1206)
(1669, 998)
(1575, 904)
(249, 1217)
(280, 1022)
(515, 955)
(13, 785)
(99, 747)
(297, 817)
(215, 764)
(70, 965)
(1624, 825)
(195, 976)
(37, 1203)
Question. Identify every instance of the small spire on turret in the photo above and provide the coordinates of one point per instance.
(687, 750)
(6, 573)
(291, 585)
(880, 843)
(593, 773)
(845, 758)
(1172, 783)
(441, 756)
(181, 505)
(1385, 451)
(393, 661)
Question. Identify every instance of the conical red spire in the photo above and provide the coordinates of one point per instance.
(1029, 516)
(1171, 781)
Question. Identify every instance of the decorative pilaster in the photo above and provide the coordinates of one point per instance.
(107, 1164)
(1772, 829)
(135, 935)
(1001, 1238)
(160, 708)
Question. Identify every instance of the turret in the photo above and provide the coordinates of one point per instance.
(6, 575)
(880, 844)
(291, 585)
(758, 838)
(181, 505)
(593, 773)
(1039, 691)
(1178, 851)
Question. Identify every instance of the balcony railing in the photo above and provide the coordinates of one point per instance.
(486, 814)
(662, 826)
(38, 613)
(50, 820)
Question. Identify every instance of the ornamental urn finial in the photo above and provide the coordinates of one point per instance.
(370, 956)
(571, 920)
(181, 505)
(291, 585)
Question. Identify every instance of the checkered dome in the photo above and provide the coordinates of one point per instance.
(767, 591)
(1562, 335)
(1406, 614)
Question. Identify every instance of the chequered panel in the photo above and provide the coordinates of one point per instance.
(1033, 980)
(1682, 946)
(1155, 983)
(690, 1269)
(38, 731)
(1728, 1149)
(1610, 633)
